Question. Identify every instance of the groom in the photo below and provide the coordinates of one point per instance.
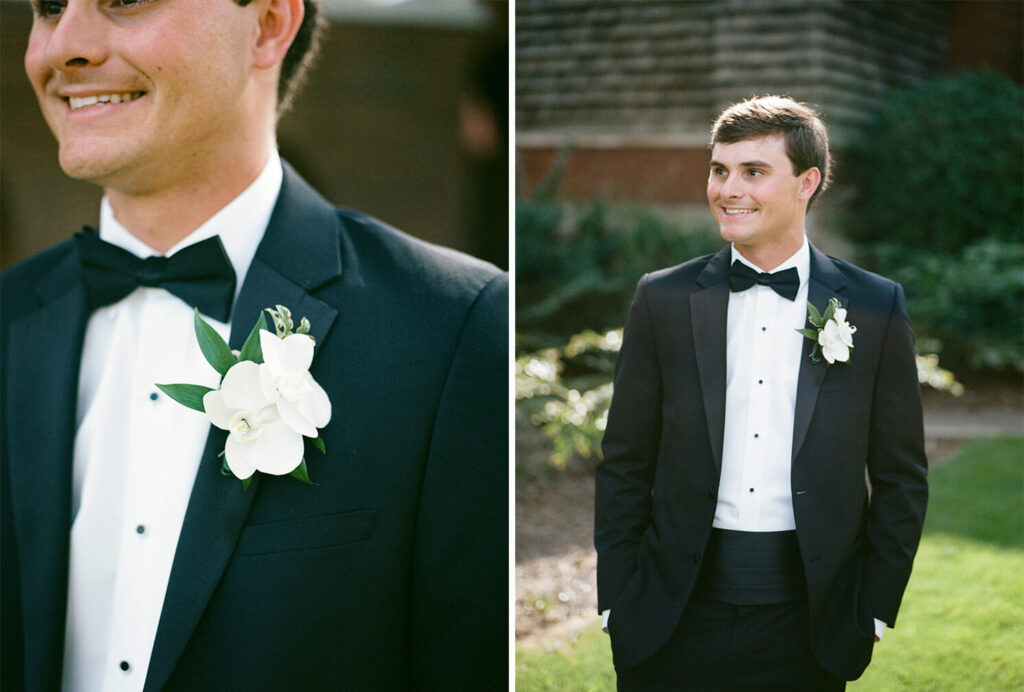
(739, 545)
(130, 561)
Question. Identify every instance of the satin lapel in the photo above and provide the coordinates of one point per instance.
(42, 383)
(709, 320)
(825, 283)
(299, 252)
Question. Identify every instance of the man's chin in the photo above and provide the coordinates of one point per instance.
(89, 169)
(731, 235)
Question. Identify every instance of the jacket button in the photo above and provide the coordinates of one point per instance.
(713, 493)
(696, 558)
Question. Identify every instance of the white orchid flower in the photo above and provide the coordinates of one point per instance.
(259, 440)
(832, 346)
(285, 381)
(836, 338)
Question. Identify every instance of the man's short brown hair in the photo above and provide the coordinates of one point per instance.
(301, 54)
(801, 126)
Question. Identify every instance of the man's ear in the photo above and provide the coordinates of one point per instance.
(809, 182)
(279, 22)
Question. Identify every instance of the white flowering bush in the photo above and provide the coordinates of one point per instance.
(571, 410)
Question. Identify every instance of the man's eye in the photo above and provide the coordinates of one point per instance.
(47, 8)
(755, 172)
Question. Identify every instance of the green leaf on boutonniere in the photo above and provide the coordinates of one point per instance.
(830, 311)
(190, 395)
(246, 482)
(814, 317)
(811, 334)
(213, 346)
(319, 444)
(251, 349)
(300, 473)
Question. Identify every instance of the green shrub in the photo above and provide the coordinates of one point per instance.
(566, 393)
(940, 166)
(577, 265)
(968, 306)
(940, 208)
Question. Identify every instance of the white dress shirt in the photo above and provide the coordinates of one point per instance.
(136, 451)
(762, 363)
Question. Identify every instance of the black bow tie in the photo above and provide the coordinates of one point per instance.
(200, 274)
(786, 282)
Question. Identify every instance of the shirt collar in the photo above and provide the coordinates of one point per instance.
(240, 223)
(801, 259)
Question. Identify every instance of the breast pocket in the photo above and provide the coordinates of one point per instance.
(310, 533)
(847, 383)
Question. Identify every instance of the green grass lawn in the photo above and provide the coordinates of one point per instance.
(961, 626)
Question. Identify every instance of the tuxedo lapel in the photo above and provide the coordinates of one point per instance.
(825, 283)
(708, 324)
(299, 252)
(42, 377)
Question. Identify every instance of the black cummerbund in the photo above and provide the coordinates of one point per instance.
(751, 568)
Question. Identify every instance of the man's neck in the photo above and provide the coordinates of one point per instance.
(768, 257)
(162, 218)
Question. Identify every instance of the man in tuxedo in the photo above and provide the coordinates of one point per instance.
(739, 546)
(130, 561)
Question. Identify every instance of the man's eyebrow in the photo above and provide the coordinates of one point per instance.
(744, 164)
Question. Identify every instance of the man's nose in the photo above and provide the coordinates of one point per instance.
(78, 39)
(730, 186)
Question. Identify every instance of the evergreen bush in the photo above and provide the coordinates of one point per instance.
(940, 208)
(940, 166)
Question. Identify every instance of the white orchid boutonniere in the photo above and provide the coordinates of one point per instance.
(267, 399)
(831, 332)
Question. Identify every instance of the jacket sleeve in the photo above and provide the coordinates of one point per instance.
(459, 600)
(897, 470)
(625, 477)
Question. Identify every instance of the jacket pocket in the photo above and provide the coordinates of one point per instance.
(848, 383)
(309, 533)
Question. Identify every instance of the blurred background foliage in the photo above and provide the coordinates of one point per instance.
(937, 204)
(577, 264)
(566, 393)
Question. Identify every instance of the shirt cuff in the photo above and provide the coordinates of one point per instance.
(879, 628)
(604, 620)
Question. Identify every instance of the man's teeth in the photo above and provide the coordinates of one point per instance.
(735, 212)
(86, 101)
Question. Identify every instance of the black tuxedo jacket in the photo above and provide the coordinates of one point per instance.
(657, 486)
(392, 573)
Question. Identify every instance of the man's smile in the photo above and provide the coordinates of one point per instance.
(738, 212)
(79, 102)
